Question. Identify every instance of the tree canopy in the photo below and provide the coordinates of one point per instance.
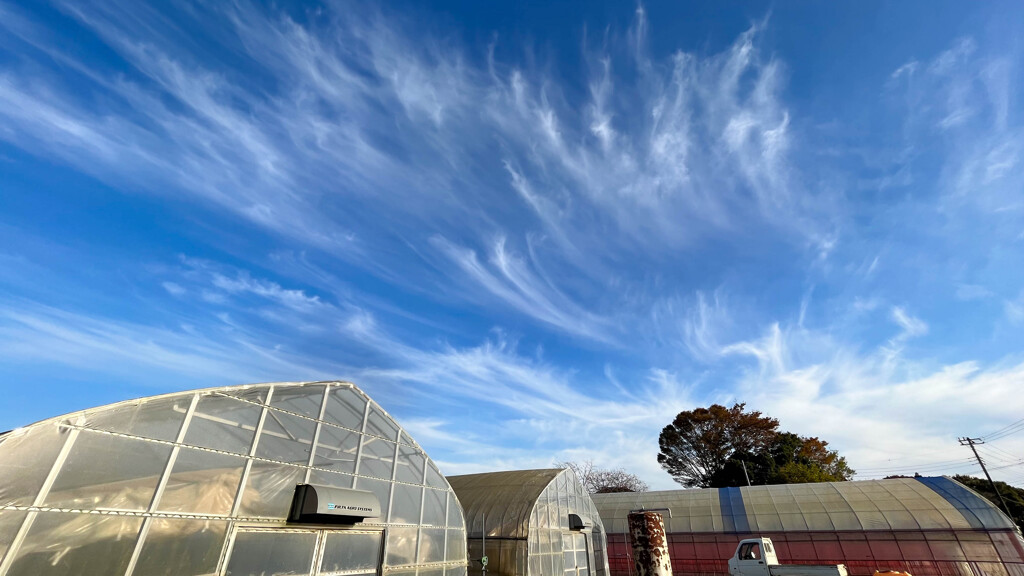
(603, 481)
(710, 447)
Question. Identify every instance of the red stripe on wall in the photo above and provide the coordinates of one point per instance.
(922, 553)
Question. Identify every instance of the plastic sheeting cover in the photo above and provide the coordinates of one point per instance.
(160, 482)
(525, 515)
(504, 499)
(893, 504)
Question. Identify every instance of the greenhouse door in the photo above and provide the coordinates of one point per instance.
(574, 545)
(296, 552)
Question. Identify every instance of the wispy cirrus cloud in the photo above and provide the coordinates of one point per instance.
(711, 141)
(488, 387)
(44, 335)
(558, 248)
(522, 284)
(964, 96)
(699, 324)
(702, 148)
(972, 292)
(911, 326)
(1015, 309)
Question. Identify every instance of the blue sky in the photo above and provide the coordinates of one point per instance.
(531, 232)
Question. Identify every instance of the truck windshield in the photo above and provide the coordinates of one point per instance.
(750, 551)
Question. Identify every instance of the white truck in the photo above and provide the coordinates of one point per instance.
(756, 557)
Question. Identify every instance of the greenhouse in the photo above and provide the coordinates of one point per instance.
(925, 526)
(532, 522)
(292, 478)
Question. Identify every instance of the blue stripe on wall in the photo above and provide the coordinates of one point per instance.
(961, 498)
(734, 513)
(725, 503)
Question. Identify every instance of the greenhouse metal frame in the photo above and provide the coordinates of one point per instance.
(201, 482)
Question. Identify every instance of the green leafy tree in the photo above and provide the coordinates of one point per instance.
(798, 459)
(718, 447)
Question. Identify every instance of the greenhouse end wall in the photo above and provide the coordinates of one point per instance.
(925, 526)
(525, 515)
(201, 483)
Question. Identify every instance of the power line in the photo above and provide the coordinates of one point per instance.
(1016, 478)
(1021, 463)
(919, 453)
(1007, 461)
(1007, 434)
(965, 468)
(1021, 421)
(1006, 430)
(1014, 473)
(1003, 458)
(918, 466)
(949, 470)
(997, 449)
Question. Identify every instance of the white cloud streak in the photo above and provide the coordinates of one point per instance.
(492, 186)
(470, 384)
(912, 327)
(963, 96)
(878, 408)
(523, 285)
(702, 147)
(31, 333)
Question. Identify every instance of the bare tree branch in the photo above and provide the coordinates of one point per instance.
(600, 481)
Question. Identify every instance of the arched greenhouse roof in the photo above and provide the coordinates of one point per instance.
(503, 502)
(925, 503)
(158, 485)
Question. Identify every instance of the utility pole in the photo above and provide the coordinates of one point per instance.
(971, 442)
(745, 471)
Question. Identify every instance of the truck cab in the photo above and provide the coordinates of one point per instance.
(752, 558)
(756, 557)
